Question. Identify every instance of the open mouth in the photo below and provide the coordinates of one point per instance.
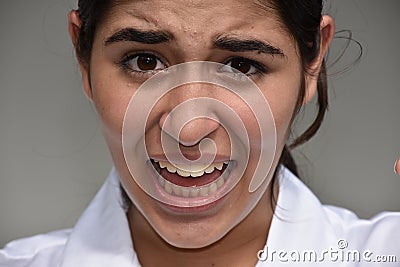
(191, 181)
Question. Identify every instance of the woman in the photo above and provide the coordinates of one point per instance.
(156, 209)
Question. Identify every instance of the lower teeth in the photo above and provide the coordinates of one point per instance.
(191, 192)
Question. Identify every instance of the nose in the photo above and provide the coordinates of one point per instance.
(189, 118)
(191, 132)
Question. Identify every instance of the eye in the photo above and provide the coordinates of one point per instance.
(245, 66)
(143, 62)
(241, 65)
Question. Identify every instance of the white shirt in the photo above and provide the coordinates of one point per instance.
(303, 233)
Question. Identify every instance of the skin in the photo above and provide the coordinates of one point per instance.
(194, 25)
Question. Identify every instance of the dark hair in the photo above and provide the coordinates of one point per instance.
(91, 13)
(302, 20)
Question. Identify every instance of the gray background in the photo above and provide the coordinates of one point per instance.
(53, 158)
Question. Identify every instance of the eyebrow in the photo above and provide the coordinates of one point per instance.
(232, 44)
(135, 35)
(235, 44)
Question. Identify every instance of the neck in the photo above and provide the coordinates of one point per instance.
(239, 247)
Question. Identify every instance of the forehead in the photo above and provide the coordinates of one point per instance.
(195, 16)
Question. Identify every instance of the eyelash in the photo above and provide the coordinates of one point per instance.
(126, 65)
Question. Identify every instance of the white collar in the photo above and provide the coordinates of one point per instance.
(300, 223)
(102, 237)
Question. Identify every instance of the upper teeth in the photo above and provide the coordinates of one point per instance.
(191, 170)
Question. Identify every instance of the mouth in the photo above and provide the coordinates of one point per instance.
(191, 181)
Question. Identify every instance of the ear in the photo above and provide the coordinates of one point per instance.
(74, 28)
(327, 30)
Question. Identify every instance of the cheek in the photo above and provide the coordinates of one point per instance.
(111, 97)
(282, 97)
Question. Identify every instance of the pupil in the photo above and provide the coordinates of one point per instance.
(241, 65)
(145, 62)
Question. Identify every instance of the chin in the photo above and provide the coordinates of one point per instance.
(193, 235)
(191, 229)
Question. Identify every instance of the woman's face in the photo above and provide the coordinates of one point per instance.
(161, 34)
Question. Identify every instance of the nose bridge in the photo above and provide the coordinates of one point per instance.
(190, 91)
(189, 118)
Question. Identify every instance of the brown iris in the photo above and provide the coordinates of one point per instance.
(147, 62)
(241, 65)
